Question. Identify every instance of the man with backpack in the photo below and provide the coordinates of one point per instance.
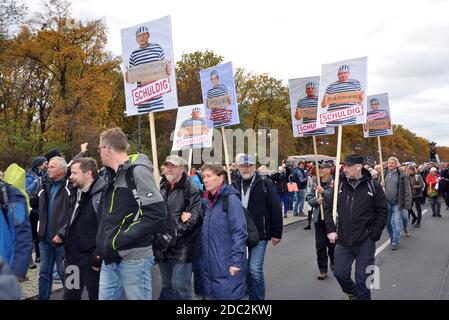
(362, 215)
(259, 197)
(132, 211)
(15, 230)
(33, 184)
(185, 214)
(81, 257)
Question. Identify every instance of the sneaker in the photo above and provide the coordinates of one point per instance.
(322, 276)
(307, 227)
(416, 225)
(285, 216)
(296, 214)
(439, 215)
(414, 220)
(394, 246)
(407, 233)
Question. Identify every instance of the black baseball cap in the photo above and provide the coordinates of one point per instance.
(353, 159)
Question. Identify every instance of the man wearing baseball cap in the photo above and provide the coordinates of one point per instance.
(194, 126)
(260, 198)
(362, 215)
(372, 111)
(183, 200)
(147, 53)
(342, 85)
(324, 248)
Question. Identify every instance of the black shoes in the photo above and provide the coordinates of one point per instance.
(416, 225)
(414, 220)
(307, 227)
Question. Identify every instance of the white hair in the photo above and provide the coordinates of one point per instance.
(433, 169)
(395, 160)
(61, 162)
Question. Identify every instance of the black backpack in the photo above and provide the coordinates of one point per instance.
(4, 201)
(168, 234)
(253, 233)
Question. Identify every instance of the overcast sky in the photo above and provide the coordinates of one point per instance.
(407, 43)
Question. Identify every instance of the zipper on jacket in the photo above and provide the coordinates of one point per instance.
(112, 200)
(136, 222)
(264, 229)
(119, 229)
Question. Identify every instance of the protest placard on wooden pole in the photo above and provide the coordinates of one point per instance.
(337, 174)
(318, 178)
(228, 170)
(190, 161)
(380, 159)
(157, 176)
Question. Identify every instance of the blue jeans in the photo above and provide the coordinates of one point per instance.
(394, 224)
(300, 197)
(176, 281)
(284, 198)
(130, 279)
(291, 200)
(255, 279)
(344, 256)
(50, 256)
(404, 214)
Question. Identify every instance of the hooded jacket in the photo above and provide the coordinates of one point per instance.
(361, 211)
(124, 225)
(224, 245)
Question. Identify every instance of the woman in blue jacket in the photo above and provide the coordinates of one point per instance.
(224, 258)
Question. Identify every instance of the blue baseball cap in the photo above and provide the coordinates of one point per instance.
(247, 159)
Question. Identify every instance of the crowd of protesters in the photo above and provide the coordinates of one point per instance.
(108, 226)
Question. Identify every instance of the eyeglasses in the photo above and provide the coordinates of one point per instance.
(99, 149)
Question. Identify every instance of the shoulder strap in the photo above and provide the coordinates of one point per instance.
(187, 195)
(225, 202)
(264, 184)
(4, 201)
(371, 187)
(129, 178)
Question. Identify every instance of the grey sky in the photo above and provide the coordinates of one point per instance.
(407, 43)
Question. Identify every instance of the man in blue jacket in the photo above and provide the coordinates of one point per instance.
(300, 177)
(15, 230)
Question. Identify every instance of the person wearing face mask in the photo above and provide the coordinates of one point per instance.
(260, 198)
(362, 215)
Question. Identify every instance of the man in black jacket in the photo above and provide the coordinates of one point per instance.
(362, 215)
(82, 229)
(183, 200)
(259, 196)
(54, 200)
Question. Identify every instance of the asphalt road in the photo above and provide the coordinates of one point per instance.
(419, 270)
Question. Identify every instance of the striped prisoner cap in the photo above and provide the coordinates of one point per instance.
(310, 84)
(344, 68)
(374, 100)
(142, 29)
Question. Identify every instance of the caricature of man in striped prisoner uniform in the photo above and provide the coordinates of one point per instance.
(344, 84)
(374, 109)
(147, 52)
(309, 101)
(219, 117)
